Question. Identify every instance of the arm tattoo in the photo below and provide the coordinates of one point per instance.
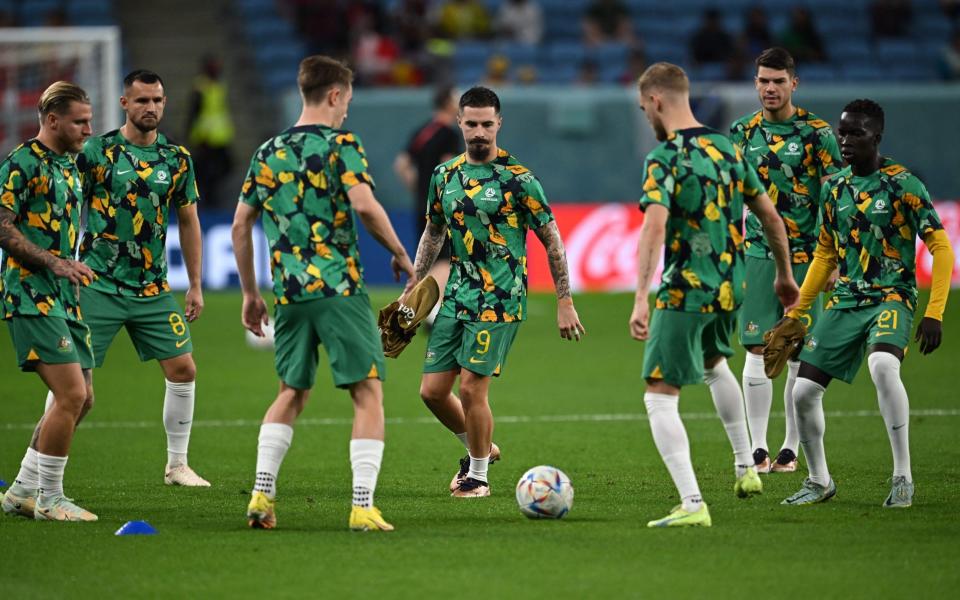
(430, 244)
(18, 246)
(557, 257)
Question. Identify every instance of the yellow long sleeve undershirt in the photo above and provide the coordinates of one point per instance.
(939, 245)
(824, 262)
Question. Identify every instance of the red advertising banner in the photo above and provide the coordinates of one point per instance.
(601, 244)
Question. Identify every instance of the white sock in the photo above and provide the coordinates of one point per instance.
(51, 475)
(808, 396)
(895, 408)
(433, 313)
(671, 440)
(49, 402)
(729, 404)
(791, 438)
(758, 395)
(29, 475)
(463, 440)
(272, 446)
(178, 419)
(478, 468)
(365, 458)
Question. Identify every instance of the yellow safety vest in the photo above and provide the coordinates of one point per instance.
(213, 126)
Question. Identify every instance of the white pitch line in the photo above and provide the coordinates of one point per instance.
(595, 418)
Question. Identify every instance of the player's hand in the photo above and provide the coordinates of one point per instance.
(832, 280)
(74, 271)
(787, 291)
(929, 334)
(640, 320)
(254, 314)
(194, 304)
(400, 263)
(568, 321)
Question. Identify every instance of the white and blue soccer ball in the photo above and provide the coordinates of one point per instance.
(544, 492)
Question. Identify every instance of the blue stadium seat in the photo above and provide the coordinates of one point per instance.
(819, 72)
(472, 52)
(849, 50)
(519, 54)
(566, 53)
(863, 72)
(33, 13)
(892, 52)
(709, 72)
(90, 12)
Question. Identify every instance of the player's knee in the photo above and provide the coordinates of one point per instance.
(72, 399)
(884, 367)
(432, 395)
(472, 394)
(183, 371)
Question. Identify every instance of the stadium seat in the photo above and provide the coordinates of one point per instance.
(894, 52)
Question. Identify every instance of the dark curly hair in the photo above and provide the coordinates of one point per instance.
(869, 108)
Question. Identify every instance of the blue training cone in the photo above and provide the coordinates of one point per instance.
(3, 483)
(136, 528)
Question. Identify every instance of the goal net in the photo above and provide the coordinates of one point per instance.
(32, 58)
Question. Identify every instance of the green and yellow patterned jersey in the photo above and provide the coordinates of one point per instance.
(791, 157)
(43, 190)
(702, 180)
(300, 179)
(873, 222)
(129, 190)
(487, 209)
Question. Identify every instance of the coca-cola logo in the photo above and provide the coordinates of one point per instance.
(602, 248)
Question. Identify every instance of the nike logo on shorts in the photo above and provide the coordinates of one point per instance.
(882, 333)
(182, 342)
(474, 361)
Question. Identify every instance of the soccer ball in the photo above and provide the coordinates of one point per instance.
(544, 492)
(261, 343)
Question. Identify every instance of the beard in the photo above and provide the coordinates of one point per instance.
(146, 124)
(478, 150)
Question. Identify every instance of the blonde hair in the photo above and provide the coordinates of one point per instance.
(665, 77)
(57, 98)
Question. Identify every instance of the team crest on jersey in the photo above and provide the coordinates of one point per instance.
(700, 244)
(793, 149)
(162, 176)
(752, 327)
(811, 344)
(63, 345)
(879, 206)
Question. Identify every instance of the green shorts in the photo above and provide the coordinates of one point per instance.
(680, 342)
(761, 309)
(155, 324)
(842, 336)
(344, 325)
(478, 346)
(50, 340)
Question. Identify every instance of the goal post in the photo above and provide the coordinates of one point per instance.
(31, 58)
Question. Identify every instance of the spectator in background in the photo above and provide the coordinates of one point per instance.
(498, 69)
(320, 23)
(210, 131)
(527, 74)
(520, 21)
(636, 65)
(411, 26)
(374, 54)
(891, 18)
(607, 21)
(950, 58)
(801, 39)
(756, 32)
(711, 43)
(433, 143)
(458, 19)
(588, 74)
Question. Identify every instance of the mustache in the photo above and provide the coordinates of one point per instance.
(478, 141)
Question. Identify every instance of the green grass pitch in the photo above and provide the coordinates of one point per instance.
(577, 406)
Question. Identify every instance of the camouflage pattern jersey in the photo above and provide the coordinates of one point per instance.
(129, 190)
(872, 223)
(487, 209)
(43, 190)
(791, 157)
(300, 179)
(702, 180)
